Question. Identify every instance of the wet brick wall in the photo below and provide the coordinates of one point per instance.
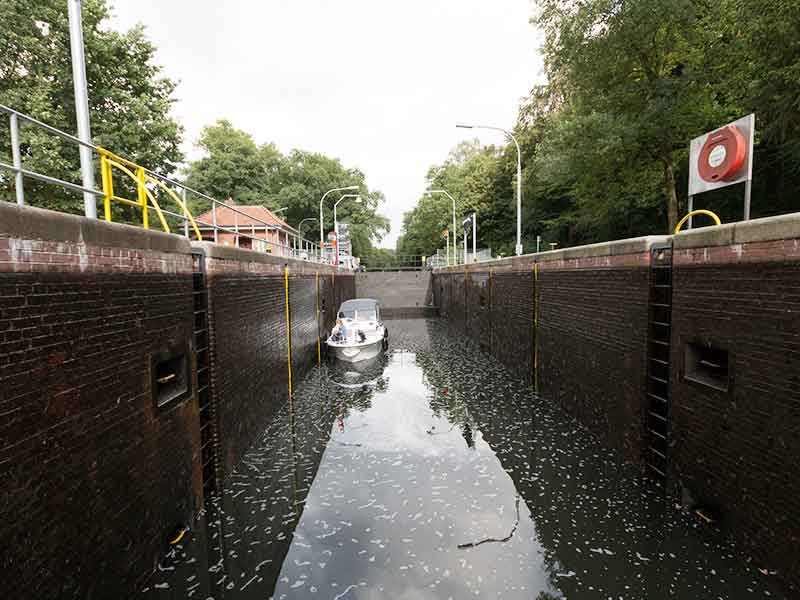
(94, 475)
(736, 449)
(591, 333)
(249, 342)
(592, 339)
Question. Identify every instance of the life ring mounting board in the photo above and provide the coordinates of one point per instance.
(722, 157)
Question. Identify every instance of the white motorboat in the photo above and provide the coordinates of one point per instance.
(359, 333)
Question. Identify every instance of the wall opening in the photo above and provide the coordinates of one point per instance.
(707, 365)
(170, 377)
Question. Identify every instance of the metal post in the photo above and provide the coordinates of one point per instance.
(474, 238)
(82, 105)
(538, 243)
(214, 220)
(17, 159)
(691, 208)
(185, 220)
(465, 245)
(447, 259)
(747, 189)
(519, 177)
(455, 233)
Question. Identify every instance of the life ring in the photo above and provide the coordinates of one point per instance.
(723, 154)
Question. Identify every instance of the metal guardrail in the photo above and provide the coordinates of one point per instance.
(148, 184)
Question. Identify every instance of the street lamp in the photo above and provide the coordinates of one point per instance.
(81, 106)
(336, 223)
(519, 177)
(430, 192)
(321, 228)
(301, 242)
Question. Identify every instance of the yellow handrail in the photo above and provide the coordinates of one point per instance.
(694, 213)
(109, 160)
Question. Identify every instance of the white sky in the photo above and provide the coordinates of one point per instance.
(378, 84)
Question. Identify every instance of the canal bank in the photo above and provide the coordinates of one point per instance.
(435, 474)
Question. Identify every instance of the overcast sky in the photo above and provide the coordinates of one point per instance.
(378, 84)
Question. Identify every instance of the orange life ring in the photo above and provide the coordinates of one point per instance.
(723, 154)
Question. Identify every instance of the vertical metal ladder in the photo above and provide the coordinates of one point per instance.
(208, 429)
(658, 362)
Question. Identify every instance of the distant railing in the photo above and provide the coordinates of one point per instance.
(148, 184)
(396, 263)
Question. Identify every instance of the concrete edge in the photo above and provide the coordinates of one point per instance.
(31, 223)
(243, 255)
(767, 229)
(613, 248)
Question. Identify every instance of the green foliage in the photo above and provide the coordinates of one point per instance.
(129, 98)
(234, 166)
(605, 141)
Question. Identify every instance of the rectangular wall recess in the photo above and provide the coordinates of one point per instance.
(707, 365)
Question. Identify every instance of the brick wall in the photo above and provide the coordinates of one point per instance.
(94, 475)
(249, 369)
(736, 450)
(591, 334)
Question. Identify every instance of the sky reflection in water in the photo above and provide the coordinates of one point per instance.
(433, 474)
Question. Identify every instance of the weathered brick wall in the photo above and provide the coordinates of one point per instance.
(249, 342)
(591, 333)
(737, 450)
(94, 475)
(592, 339)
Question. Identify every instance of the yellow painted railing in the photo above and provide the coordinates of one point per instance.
(695, 213)
(145, 198)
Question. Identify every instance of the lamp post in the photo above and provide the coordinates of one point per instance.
(519, 177)
(300, 231)
(336, 223)
(321, 228)
(445, 192)
(81, 105)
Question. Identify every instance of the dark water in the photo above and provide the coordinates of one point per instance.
(433, 474)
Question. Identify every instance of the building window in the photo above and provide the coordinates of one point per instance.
(707, 365)
(171, 379)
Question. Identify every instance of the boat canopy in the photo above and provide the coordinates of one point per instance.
(360, 309)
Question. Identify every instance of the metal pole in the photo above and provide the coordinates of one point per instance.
(519, 195)
(690, 205)
(185, 220)
(519, 177)
(214, 220)
(455, 232)
(465, 245)
(17, 159)
(538, 242)
(447, 256)
(81, 105)
(474, 238)
(747, 189)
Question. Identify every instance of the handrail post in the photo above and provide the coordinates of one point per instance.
(214, 219)
(17, 159)
(185, 219)
(108, 185)
(141, 192)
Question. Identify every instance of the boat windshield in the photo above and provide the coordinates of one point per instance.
(359, 314)
(359, 310)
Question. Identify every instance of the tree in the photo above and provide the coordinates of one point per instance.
(234, 166)
(129, 98)
(633, 75)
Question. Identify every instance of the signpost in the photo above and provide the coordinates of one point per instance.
(721, 158)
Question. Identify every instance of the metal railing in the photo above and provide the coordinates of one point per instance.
(148, 185)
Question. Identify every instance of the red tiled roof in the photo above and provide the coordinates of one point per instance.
(254, 215)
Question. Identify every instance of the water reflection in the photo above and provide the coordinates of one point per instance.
(430, 473)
